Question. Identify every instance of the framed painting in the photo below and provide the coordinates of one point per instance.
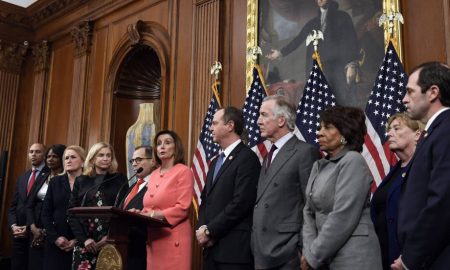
(351, 52)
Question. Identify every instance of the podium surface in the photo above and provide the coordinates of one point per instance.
(120, 222)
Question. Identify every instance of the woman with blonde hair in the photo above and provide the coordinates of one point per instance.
(60, 240)
(403, 134)
(98, 186)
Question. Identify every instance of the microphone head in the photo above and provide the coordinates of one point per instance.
(139, 170)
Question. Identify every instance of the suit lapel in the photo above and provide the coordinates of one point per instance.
(66, 183)
(138, 196)
(226, 163)
(430, 130)
(283, 155)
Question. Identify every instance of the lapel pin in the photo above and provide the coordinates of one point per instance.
(403, 175)
(230, 158)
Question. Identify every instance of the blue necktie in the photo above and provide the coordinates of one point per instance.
(218, 165)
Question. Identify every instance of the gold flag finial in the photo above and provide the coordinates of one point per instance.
(388, 19)
(253, 53)
(314, 39)
(216, 68)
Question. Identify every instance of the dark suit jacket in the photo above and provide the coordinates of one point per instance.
(278, 213)
(34, 204)
(424, 216)
(137, 250)
(85, 185)
(55, 223)
(227, 205)
(391, 210)
(17, 212)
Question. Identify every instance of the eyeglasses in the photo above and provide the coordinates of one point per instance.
(138, 159)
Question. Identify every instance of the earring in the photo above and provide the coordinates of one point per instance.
(343, 140)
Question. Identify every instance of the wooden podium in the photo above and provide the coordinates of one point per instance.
(120, 222)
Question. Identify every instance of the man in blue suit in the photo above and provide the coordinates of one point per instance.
(424, 216)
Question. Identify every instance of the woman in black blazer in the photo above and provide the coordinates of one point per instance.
(59, 240)
(98, 186)
(53, 160)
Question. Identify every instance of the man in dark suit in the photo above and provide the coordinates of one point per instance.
(278, 212)
(17, 211)
(424, 216)
(225, 215)
(137, 251)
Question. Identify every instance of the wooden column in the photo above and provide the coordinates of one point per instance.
(206, 50)
(41, 54)
(12, 56)
(79, 110)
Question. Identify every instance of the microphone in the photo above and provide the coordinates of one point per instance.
(139, 170)
(96, 186)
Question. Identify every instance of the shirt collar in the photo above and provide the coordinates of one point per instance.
(430, 121)
(283, 140)
(39, 168)
(227, 151)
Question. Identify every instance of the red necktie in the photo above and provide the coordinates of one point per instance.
(133, 192)
(31, 182)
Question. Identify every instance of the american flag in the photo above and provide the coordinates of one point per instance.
(385, 100)
(317, 96)
(255, 96)
(206, 149)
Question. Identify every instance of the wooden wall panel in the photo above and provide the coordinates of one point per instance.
(426, 31)
(206, 51)
(17, 160)
(9, 88)
(158, 12)
(235, 53)
(97, 85)
(181, 34)
(60, 91)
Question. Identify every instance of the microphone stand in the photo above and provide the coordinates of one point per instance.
(139, 170)
(96, 186)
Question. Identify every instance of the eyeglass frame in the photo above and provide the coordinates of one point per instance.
(138, 160)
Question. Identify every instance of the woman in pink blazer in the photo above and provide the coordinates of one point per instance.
(168, 197)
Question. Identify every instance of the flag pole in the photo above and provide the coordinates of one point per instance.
(314, 38)
(253, 53)
(388, 20)
(215, 70)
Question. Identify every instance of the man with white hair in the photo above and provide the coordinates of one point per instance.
(278, 212)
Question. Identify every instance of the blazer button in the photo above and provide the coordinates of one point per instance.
(264, 229)
(266, 205)
(177, 244)
(256, 206)
(151, 195)
(275, 184)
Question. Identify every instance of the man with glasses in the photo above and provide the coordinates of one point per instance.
(137, 253)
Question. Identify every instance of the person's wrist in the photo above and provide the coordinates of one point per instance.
(206, 231)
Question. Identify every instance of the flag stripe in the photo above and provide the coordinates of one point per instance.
(255, 95)
(385, 100)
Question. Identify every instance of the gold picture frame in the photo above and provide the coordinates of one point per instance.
(388, 7)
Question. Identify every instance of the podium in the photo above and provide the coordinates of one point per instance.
(120, 222)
